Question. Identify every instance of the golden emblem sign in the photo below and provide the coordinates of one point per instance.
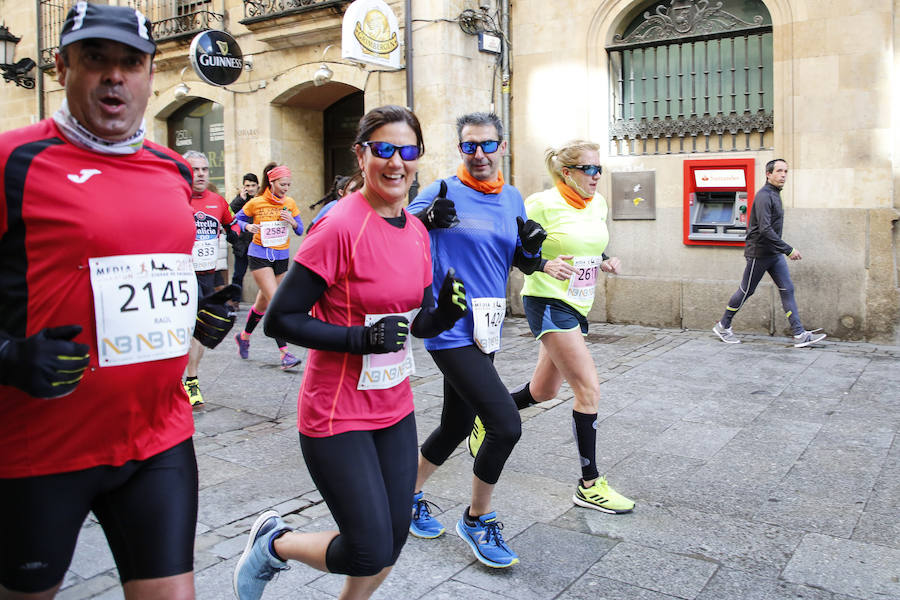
(374, 34)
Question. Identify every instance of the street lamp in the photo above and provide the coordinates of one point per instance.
(16, 72)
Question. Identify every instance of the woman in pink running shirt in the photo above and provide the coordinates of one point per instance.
(360, 283)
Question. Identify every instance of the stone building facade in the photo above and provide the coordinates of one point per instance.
(818, 90)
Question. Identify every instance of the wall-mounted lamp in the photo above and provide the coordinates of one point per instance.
(323, 74)
(16, 72)
(181, 91)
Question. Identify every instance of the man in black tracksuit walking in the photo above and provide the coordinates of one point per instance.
(764, 252)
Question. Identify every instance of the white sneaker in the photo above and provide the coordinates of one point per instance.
(726, 335)
(807, 338)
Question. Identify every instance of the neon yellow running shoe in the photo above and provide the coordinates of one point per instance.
(602, 497)
(192, 387)
(476, 437)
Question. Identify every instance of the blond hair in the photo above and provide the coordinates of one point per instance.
(567, 154)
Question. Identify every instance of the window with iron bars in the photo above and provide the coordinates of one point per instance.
(693, 76)
(171, 19)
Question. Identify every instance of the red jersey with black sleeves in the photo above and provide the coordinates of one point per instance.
(370, 268)
(62, 206)
(211, 214)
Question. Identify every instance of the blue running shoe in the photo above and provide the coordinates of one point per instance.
(257, 566)
(423, 525)
(486, 540)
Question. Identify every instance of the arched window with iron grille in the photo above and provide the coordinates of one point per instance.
(692, 76)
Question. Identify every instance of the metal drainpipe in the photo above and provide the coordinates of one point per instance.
(504, 90)
(39, 73)
(410, 95)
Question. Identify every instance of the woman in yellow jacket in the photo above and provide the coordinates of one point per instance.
(557, 299)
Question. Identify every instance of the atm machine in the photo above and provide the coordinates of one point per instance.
(718, 194)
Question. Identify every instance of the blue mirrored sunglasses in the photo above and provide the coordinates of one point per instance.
(589, 170)
(387, 150)
(487, 146)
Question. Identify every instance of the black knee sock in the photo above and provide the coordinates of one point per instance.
(522, 396)
(253, 319)
(585, 429)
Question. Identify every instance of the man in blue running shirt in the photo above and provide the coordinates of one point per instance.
(478, 226)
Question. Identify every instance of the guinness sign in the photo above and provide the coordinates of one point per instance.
(216, 57)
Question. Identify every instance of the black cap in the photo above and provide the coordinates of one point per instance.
(99, 21)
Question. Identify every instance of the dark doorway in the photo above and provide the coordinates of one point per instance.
(339, 131)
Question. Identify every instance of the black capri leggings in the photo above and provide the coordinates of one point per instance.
(472, 386)
(382, 465)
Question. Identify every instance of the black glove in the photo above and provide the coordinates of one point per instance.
(531, 236)
(441, 213)
(215, 316)
(451, 305)
(46, 365)
(388, 334)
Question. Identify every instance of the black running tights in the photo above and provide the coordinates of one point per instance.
(366, 478)
(473, 387)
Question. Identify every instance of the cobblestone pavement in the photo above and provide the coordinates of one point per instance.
(760, 471)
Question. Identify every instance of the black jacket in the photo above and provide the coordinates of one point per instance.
(765, 224)
(242, 243)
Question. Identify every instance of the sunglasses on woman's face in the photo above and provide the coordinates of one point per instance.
(386, 150)
(589, 170)
(487, 146)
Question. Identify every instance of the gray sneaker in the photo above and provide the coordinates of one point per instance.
(257, 566)
(726, 335)
(808, 338)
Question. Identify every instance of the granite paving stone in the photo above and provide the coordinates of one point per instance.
(878, 529)
(731, 583)
(216, 470)
(693, 440)
(738, 543)
(846, 566)
(91, 588)
(218, 419)
(455, 590)
(92, 554)
(720, 409)
(592, 587)
(665, 572)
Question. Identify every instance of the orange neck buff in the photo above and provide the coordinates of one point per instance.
(268, 195)
(485, 187)
(572, 197)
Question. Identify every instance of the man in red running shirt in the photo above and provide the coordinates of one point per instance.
(98, 301)
(211, 215)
